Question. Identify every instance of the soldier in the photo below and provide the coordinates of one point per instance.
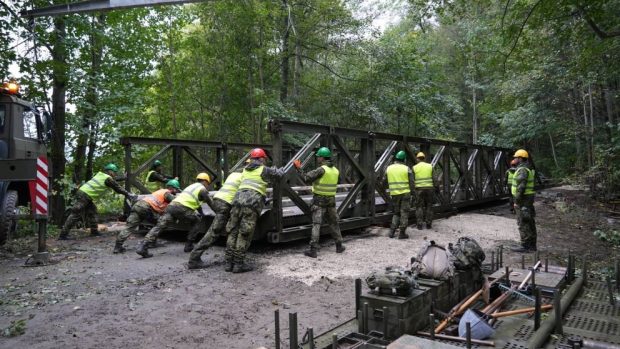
(246, 208)
(147, 209)
(155, 179)
(399, 178)
(184, 208)
(324, 187)
(510, 173)
(86, 194)
(523, 191)
(423, 173)
(222, 204)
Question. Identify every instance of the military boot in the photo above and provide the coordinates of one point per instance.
(419, 226)
(230, 265)
(196, 263)
(242, 267)
(339, 247)
(403, 235)
(118, 248)
(94, 233)
(392, 233)
(63, 236)
(311, 252)
(142, 250)
(429, 225)
(189, 246)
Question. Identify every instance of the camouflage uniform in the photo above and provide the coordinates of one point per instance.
(141, 211)
(159, 178)
(218, 227)
(400, 205)
(184, 215)
(424, 206)
(511, 201)
(323, 208)
(246, 209)
(525, 209)
(84, 205)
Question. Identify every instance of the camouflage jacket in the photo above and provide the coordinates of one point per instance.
(114, 185)
(310, 177)
(159, 177)
(520, 179)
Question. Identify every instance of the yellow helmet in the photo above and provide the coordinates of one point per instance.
(204, 176)
(521, 153)
(420, 155)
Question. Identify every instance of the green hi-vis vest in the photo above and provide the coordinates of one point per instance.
(96, 186)
(529, 186)
(152, 186)
(229, 188)
(510, 181)
(423, 175)
(189, 196)
(253, 180)
(398, 179)
(327, 185)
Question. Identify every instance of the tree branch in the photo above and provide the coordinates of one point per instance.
(520, 32)
(599, 32)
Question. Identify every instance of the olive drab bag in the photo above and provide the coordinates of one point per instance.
(433, 262)
(466, 253)
(394, 281)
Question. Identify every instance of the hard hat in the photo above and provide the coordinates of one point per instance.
(420, 155)
(513, 162)
(324, 152)
(204, 177)
(258, 153)
(156, 163)
(521, 153)
(401, 155)
(174, 184)
(111, 167)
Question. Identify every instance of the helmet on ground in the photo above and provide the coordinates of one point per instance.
(203, 176)
(324, 152)
(513, 162)
(420, 155)
(257, 153)
(401, 155)
(174, 184)
(521, 153)
(111, 167)
(156, 163)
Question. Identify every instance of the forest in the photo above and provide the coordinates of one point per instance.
(533, 74)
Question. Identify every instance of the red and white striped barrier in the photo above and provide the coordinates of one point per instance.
(39, 188)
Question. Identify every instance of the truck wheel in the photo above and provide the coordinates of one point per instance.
(8, 220)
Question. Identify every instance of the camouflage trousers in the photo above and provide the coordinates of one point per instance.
(82, 206)
(141, 211)
(400, 206)
(526, 220)
(329, 215)
(173, 212)
(424, 206)
(240, 230)
(222, 213)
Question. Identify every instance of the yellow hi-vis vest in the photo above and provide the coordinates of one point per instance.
(529, 186)
(423, 175)
(96, 186)
(398, 179)
(229, 188)
(510, 181)
(152, 186)
(189, 196)
(327, 185)
(253, 180)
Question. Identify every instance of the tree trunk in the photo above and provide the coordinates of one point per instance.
(297, 74)
(609, 108)
(59, 85)
(555, 158)
(284, 64)
(474, 137)
(591, 123)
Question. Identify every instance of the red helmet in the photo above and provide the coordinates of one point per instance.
(258, 153)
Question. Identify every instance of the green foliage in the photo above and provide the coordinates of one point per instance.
(16, 328)
(611, 236)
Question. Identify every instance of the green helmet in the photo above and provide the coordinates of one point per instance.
(401, 155)
(156, 163)
(324, 152)
(174, 184)
(111, 167)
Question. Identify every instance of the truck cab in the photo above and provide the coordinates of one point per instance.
(23, 134)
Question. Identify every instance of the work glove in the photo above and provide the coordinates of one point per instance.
(132, 197)
(297, 164)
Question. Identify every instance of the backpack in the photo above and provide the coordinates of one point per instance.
(393, 281)
(433, 262)
(466, 253)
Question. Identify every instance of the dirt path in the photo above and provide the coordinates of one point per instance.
(94, 299)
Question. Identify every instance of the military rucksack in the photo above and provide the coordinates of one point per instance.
(433, 262)
(466, 253)
(394, 281)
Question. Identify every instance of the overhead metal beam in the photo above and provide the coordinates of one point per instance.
(98, 6)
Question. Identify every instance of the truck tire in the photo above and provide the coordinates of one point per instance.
(8, 219)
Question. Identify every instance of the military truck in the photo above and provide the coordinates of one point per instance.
(23, 137)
